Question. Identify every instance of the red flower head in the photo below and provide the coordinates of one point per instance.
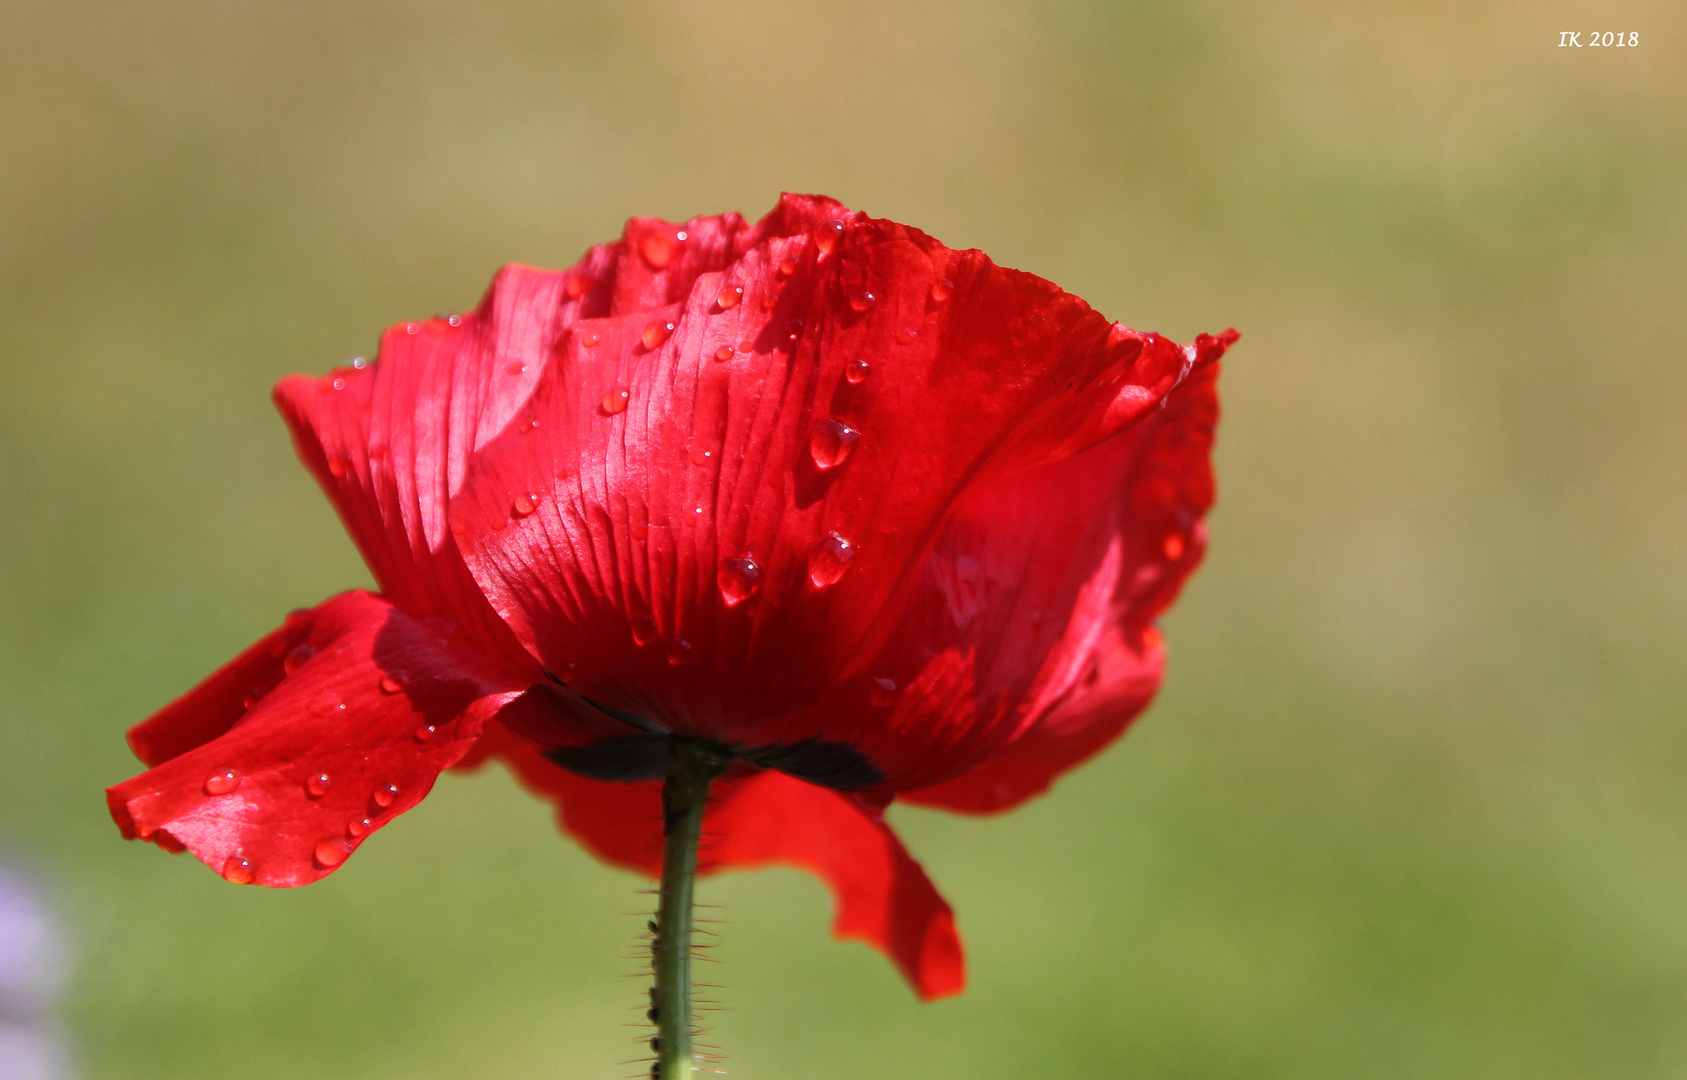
(879, 518)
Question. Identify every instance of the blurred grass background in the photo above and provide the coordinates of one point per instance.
(1411, 803)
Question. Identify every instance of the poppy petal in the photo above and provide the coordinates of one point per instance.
(1108, 662)
(695, 460)
(883, 896)
(369, 706)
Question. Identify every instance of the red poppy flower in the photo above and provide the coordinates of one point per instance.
(882, 519)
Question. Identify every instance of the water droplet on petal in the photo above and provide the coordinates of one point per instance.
(832, 443)
(680, 652)
(578, 286)
(296, 657)
(700, 456)
(296, 618)
(941, 290)
(411, 328)
(656, 333)
(328, 706)
(338, 383)
(729, 296)
(222, 782)
(830, 558)
(524, 504)
(359, 363)
(906, 335)
(856, 371)
(615, 401)
(883, 693)
(748, 345)
(238, 869)
(793, 330)
(385, 795)
(787, 267)
(861, 301)
(644, 630)
(317, 786)
(330, 851)
(589, 341)
(658, 249)
(1173, 546)
(394, 681)
(378, 452)
(357, 828)
(531, 425)
(827, 235)
(723, 354)
(738, 580)
(769, 301)
(515, 369)
(426, 732)
(454, 320)
(338, 466)
(253, 696)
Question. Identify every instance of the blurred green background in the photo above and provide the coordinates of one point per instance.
(1411, 803)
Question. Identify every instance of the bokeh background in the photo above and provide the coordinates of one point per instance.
(1411, 803)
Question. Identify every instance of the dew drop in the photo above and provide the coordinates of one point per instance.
(296, 657)
(359, 363)
(328, 706)
(738, 580)
(615, 401)
(680, 652)
(787, 267)
(861, 301)
(941, 290)
(906, 335)
(793, 330)
(589, 341)
(656, 333)
(1173, 546)
(644, 630)
(883, 693)
(856, 371)
(827, 235)
(394, 681)
(253, 696)
(238, 869)
(296, 618)
(832, 443)
(338, 466)
(658, 249)
(330, 851)
(769, 301)
(515, 369)
(578, 286)
(411, 328)
(723, 354)
(357, 828)
(700, 456)
(384, 795)
(317, 786)
(222, 782)
(524, 504)
(830, 558)
(531, 425)
(426, 732)
(378, 452)
(454, 320)
(729, 296)
(338, 383)
(748, 345)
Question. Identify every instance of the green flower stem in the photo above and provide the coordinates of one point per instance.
(685, 795)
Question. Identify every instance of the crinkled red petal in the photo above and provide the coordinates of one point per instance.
(883, 896)
(360, 707)
(618, 516)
